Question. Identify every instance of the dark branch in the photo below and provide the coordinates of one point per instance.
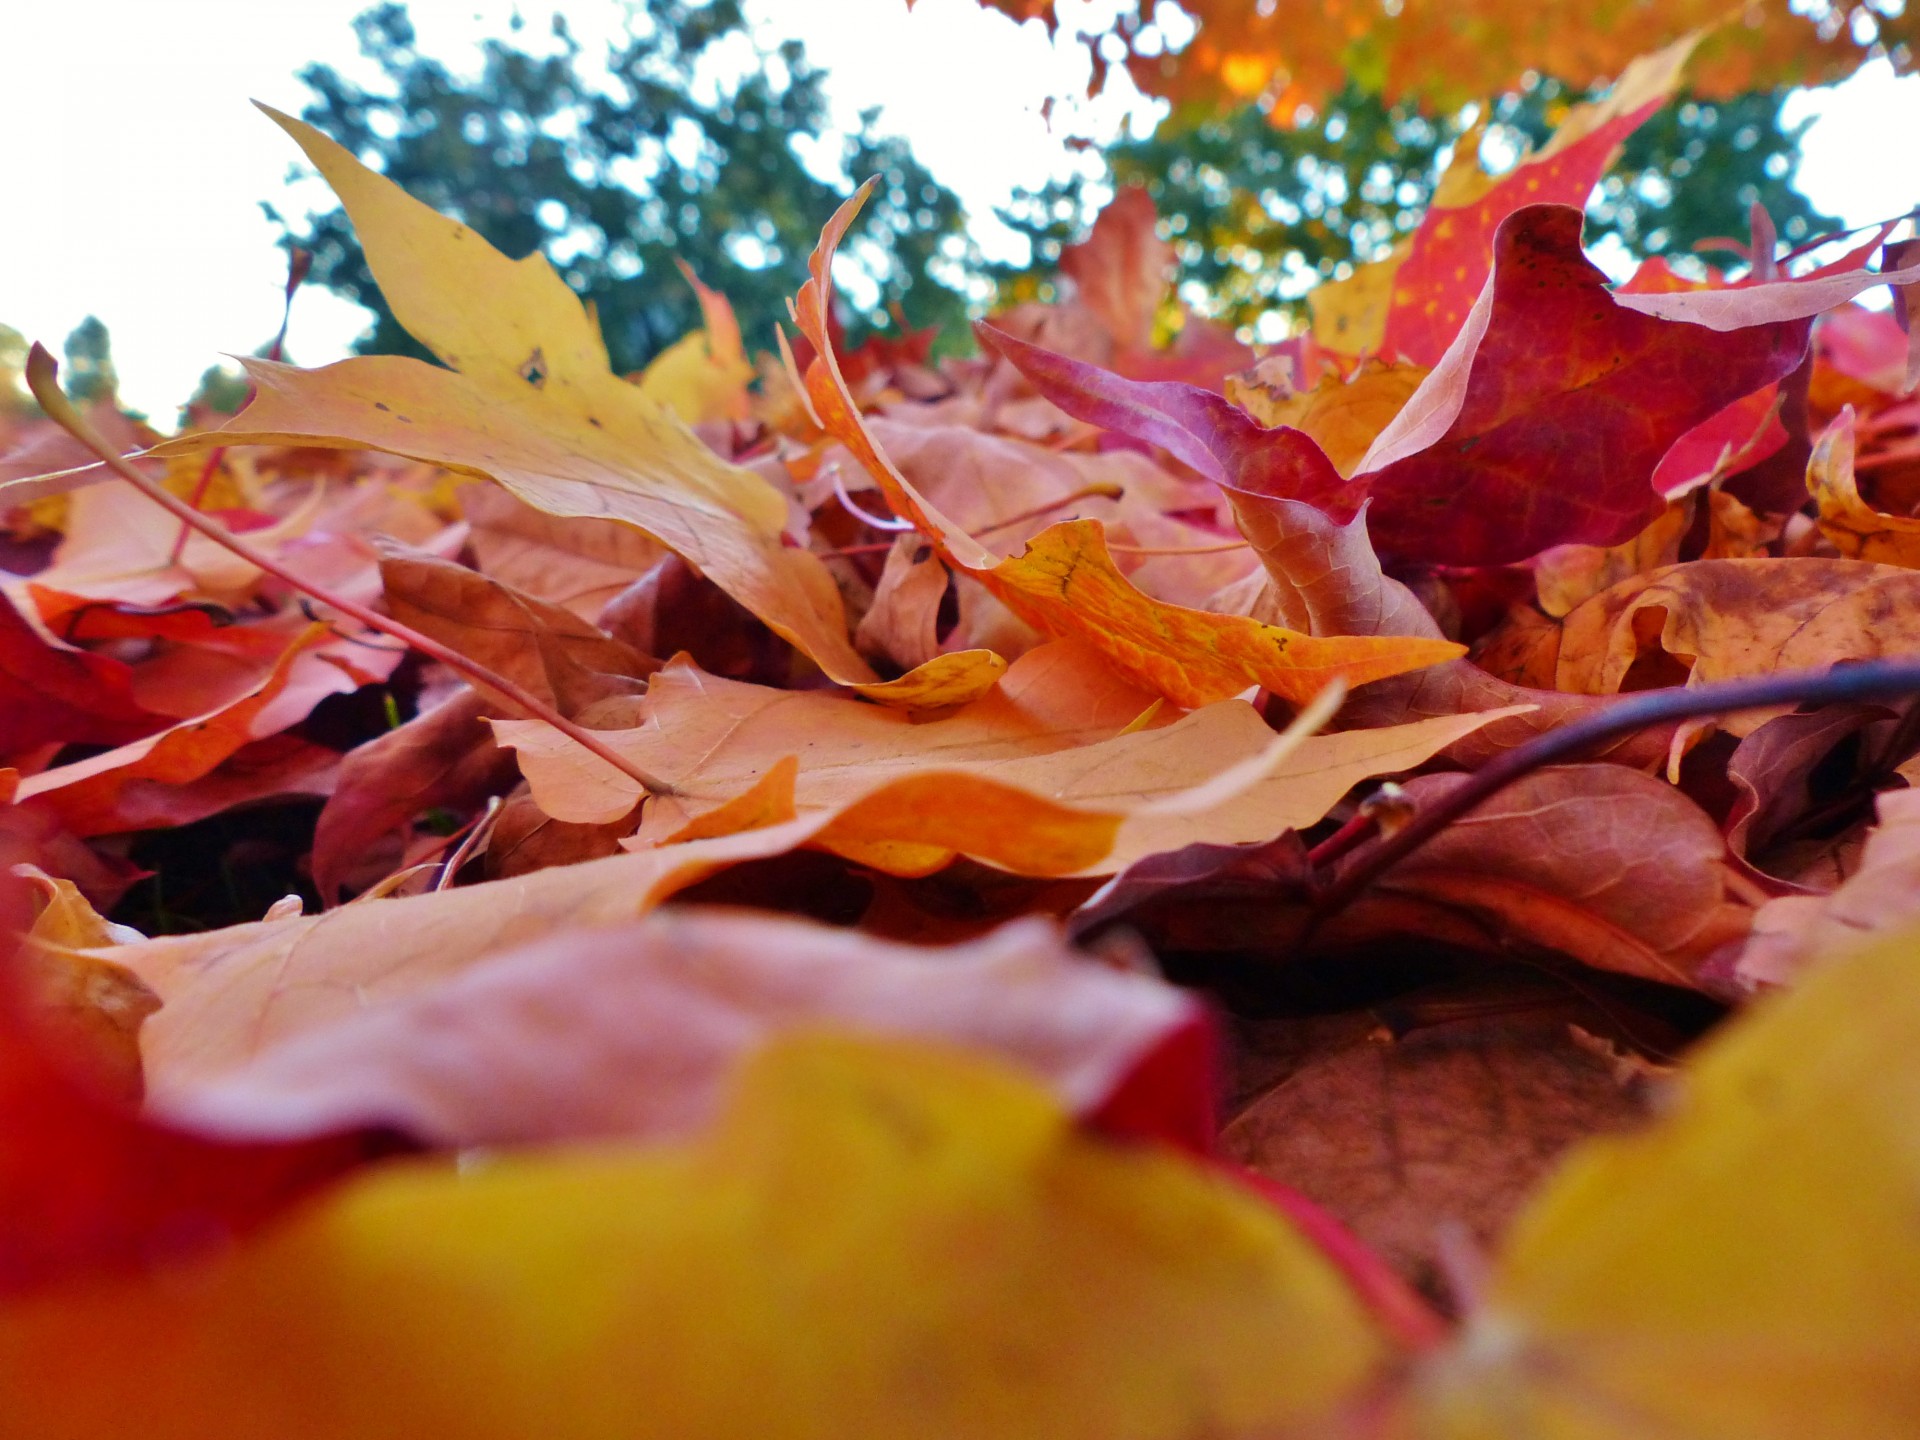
(1873, 680)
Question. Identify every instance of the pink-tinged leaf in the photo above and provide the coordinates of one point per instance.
(1200, 429)
(1742, 435)
(1545, 421)
(1772, 302)
(1542, 425)
(636, 1032)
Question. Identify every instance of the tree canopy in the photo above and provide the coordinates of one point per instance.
(1258, 214)
(691, 139)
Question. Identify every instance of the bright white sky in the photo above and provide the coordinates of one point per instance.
(133, 167)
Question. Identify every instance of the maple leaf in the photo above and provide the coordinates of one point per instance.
(1477, 468)
(894, 1202)
(1411, 304)
(636, 1031)
(531, 402)
(1292, 56)
(1058, 729)
(1066, 582)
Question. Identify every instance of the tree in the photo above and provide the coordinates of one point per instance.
(1259, 214)
(89, 372)
(1292, 57)
(677, 151)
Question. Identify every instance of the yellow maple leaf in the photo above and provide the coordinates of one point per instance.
(530, 401)
(878, 1239)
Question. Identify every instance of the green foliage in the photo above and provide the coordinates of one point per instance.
(688, 145)
(1259, 214)
(89, 373)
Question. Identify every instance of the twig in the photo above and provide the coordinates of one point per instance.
(1096, 490)
(298, 263)
(1874, 680)
(43, 380)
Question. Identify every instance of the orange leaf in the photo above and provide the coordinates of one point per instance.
(1066, 583)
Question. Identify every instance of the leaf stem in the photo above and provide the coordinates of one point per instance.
(43, 379)
(1872, 680)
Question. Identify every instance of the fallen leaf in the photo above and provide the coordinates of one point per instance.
(1343, 415)
(1057, 729)
(1628, 1300)
(531, 402)
(901, 1207)
(88, 1186)
(575, 562)
(635, 1032)
(545, 649)
(1066, 582)
(1610, 866)
(1794, 932)
(1856, 528)
(1713, 620)
(902, 625)
(1477, 469)
(1446, 1126)
(89, 1010)
(1447, 259)
(1568, 575)
(524, 838)
(53, 693)
(1794, 766)
(85, 794)
(443, 757)
(227, 994)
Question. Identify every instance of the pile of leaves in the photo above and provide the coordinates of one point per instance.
(840, 895)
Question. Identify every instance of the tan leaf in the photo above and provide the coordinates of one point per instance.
(579, 564)
(1055, 730)
(547, 650)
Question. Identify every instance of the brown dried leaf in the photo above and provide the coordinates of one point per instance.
(1447, 1126)
(1608, 865)
(546, 649)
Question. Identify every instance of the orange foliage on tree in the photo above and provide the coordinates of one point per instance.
(1291, 55)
